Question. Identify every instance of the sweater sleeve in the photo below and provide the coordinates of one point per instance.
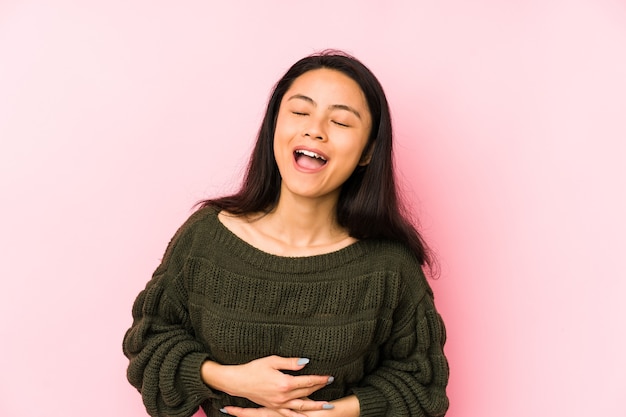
(165, 357)
(413, 373)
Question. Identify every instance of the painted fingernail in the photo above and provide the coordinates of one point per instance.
(303, 361)
(223, 411)
(328, 406)
(331, 379)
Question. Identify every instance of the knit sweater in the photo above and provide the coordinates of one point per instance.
(363, 314)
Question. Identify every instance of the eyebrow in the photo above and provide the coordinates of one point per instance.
(332, 106)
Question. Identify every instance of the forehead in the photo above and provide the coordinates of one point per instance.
(329, 85)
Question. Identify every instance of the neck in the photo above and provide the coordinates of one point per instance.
(304, 222)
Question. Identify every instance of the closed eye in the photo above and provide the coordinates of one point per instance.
(297, 113)
(340, 124)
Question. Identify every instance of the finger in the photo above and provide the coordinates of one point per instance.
(290, 364)
(306, 391)
(303, 404)
(309, 381)
(255, 412)
(259, 412)
(230, 411)
(290, 413)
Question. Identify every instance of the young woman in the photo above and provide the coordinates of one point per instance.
(303, 294)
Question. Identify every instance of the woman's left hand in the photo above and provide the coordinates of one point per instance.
(260, 412)
(268, 412)
(344, 407)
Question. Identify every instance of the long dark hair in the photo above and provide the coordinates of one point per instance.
(369, 204)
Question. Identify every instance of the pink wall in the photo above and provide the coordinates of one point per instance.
(116, 116)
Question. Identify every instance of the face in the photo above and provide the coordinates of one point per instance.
(321, 134)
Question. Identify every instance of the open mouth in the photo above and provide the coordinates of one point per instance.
(308, 159)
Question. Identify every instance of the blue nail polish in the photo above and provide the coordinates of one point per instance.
(223, 411)
(328, 406)
(331, 379)
(303, 361)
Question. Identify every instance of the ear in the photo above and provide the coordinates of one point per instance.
(366, 157)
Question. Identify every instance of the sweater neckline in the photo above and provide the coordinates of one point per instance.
(261, 259)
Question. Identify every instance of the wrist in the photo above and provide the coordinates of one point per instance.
(215, 376)
(347, 407)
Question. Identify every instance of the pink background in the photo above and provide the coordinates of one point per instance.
(117, 116)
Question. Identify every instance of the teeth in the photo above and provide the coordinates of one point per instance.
(310, 154)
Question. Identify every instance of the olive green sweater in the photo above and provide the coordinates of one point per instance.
(363, 314)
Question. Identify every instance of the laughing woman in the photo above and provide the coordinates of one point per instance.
(302, 294)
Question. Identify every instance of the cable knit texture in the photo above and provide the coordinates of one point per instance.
(363, 314)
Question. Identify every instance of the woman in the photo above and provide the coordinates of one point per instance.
(303, 294)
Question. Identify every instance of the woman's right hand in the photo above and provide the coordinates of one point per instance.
(262, 382)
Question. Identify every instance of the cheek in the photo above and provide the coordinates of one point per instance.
(280, 133)
(353, 148)
(285, 129)
(282, 152)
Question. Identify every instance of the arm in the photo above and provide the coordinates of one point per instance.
(413, 372)
(164, 355)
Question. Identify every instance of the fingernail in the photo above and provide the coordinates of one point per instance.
(303, 361)
(223, 411)
(331, 379)
(328, 406)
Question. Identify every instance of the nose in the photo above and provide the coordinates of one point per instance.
(314, 130)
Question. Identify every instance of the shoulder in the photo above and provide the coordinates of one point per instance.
(194, 229)
(392, 253)
(200, 216)
(201, 219)
(399, 259)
